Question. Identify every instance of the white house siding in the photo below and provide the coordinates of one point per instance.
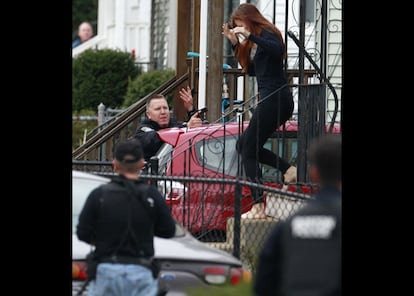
(138, 26)
(161, 36)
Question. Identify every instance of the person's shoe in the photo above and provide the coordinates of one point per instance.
(256, 212)
(290, 175)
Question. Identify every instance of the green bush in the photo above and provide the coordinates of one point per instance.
(101, 76)
(146, 83)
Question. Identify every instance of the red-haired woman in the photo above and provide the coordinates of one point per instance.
(259, 48)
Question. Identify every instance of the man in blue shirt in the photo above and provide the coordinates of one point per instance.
(85, 32)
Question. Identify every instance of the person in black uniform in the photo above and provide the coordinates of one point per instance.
(258, 46)
(120, 219)
(302, 255)
(158, 117)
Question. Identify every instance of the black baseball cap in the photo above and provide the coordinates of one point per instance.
(129, 151)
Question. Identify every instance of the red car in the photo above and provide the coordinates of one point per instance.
(210, 152)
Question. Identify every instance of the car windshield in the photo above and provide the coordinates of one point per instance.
(216, 152)
(286, 148)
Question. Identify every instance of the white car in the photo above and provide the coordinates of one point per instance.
(185, 261)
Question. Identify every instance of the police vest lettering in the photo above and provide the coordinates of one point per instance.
(317, 226)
